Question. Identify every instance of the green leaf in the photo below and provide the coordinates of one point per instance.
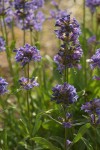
(37, 125)
(58, 139)
(81, 132)
(45, 143)
(87, 143)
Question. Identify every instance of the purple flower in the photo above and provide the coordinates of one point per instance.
(64, 94)
(96, 78)
(28, 84)
(3, 86)
(92, 4)
(92, 106)
(68, 142)
(95, 60)
(93, 110)
(68, 57)
(2, 44)
(69, 29)
(26, 54)
(38, 3)
(67, 123)
(91, 40)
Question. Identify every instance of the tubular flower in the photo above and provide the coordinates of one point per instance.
(26, 54)
(95, 60)
(2, 44)
(28, 84)
(3, 86)
(64, 94)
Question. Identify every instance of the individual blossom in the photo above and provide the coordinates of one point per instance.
(2, 44)
(92, 40)
(38, 3)
(3, 86)
(26, 54)
(93, 110)
(64, 94)
(92, 4)
(68, 142)
(27, 83)
(96, 78)
(95, 60)
(68, 122)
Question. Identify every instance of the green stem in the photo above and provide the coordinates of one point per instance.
(31, 37)
(84, 40)
(12, 29)
(2, 30)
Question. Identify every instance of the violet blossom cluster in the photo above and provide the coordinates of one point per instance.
(93, 110)
(26, 54)
(27, 83)
(70, 51)
(2, 44)
(3, 86)
(92, 4)
(28, 15)
(64, 94)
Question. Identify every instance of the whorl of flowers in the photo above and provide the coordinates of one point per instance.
(27, 83)
(69, 29)
(26, 54)
(92, 4)
(68, 57)
(93, 109)
(2, 44)
(64, 94)
(3, 86)
(95, 60)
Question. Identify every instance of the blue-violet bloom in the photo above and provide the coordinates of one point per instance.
(3, 86)
(26, 54)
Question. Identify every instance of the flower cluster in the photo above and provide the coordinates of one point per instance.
(92, 4)
(27, 83)
(27, 14)
(93, 109)
(67, 123)
(68, 57)
(26, 54)
(3, 86)
(64, 94)
(2, 44)
(70, 52)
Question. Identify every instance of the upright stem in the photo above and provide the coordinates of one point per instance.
(84, 40)
(28, 104)
(31, 40)
(65, 80)
(96, 24)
